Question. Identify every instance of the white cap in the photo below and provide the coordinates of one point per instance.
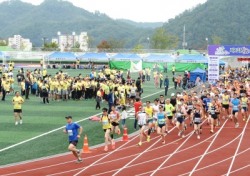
(172, 94)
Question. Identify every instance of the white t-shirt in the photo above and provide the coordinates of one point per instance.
(156, 110)
(124, 115)
(142, 118)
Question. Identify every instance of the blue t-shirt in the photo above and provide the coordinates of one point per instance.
(207, 101)
(72, 130)
(161, 118)
(235, 103)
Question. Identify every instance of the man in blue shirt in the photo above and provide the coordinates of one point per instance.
(74, 132)
(166, 85)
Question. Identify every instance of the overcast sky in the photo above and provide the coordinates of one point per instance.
(136, 10)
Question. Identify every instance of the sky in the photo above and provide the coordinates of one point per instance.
(135, 10)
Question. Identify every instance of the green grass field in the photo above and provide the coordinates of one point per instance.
(39, 118)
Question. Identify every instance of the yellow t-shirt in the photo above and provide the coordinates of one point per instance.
(225, 99)
(17, 102)
(149, 112)
(105, 122)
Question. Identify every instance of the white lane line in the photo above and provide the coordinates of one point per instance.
(206, 151)
(152, 145)
(238, 147)
(176, 150)
(44, 134)
(92, 164)
(239, 169)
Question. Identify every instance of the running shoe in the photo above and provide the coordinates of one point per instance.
(198, 137)
(183, 136)
(237, 125)
(244, 119)
(179, 134)
(21, 121)
(16, 123)
(139, 144)
(163, 142)
(148, 138)
(211, 131)
(79, 160)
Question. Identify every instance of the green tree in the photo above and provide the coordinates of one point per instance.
(216, 40)
(138, 48)
(116, 44)
(103, 46)
(161, 39)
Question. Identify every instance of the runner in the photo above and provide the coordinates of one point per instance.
(161, 120)
(74, 132)
(169, 108)
(197, 119)
(180, 117)
(244, 106)
(106, 126)
(149, 111)
(114, 120)
(142, 121)
(213, 110)
(225, 104)
(17, 102)
(235, 103)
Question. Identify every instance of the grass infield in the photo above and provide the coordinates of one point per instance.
(39, 118)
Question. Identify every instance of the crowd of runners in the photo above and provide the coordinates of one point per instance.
(209, 104)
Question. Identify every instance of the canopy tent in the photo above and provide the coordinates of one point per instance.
(1, 54)
(198, 72)
(94, 57)
(197, 58)
(187, 51)
(158, 58)
(62, 56)
(126, 57)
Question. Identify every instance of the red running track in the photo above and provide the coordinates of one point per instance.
(226, 152)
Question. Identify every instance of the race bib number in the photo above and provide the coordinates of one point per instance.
(70, 132)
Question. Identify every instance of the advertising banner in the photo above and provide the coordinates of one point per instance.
(228, 50)
(213, 69)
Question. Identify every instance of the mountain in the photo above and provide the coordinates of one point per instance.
(151, 25)
(46, 19)
(220, 21)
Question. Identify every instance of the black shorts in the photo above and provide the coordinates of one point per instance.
(132, 97)
(180, 119)
(18, 110)
(115, 124)
(161, 125)
(106, 129)
(140, 126)
(214, 116)
(189, 111)
(170, 117)
(73, 142)
(234, 112)
(226, 106)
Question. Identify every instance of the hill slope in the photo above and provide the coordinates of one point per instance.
(45, 20)
(227, 20)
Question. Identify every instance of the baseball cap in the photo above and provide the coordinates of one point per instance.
(172, 94)
(68, 117)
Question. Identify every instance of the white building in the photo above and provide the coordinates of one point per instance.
(19, 43)
(67, 42)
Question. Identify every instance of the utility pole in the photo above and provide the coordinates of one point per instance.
(184, 43)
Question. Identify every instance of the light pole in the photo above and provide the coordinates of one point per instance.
(44, 41)
(148, 39)
(58, 34)
(73, 41)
